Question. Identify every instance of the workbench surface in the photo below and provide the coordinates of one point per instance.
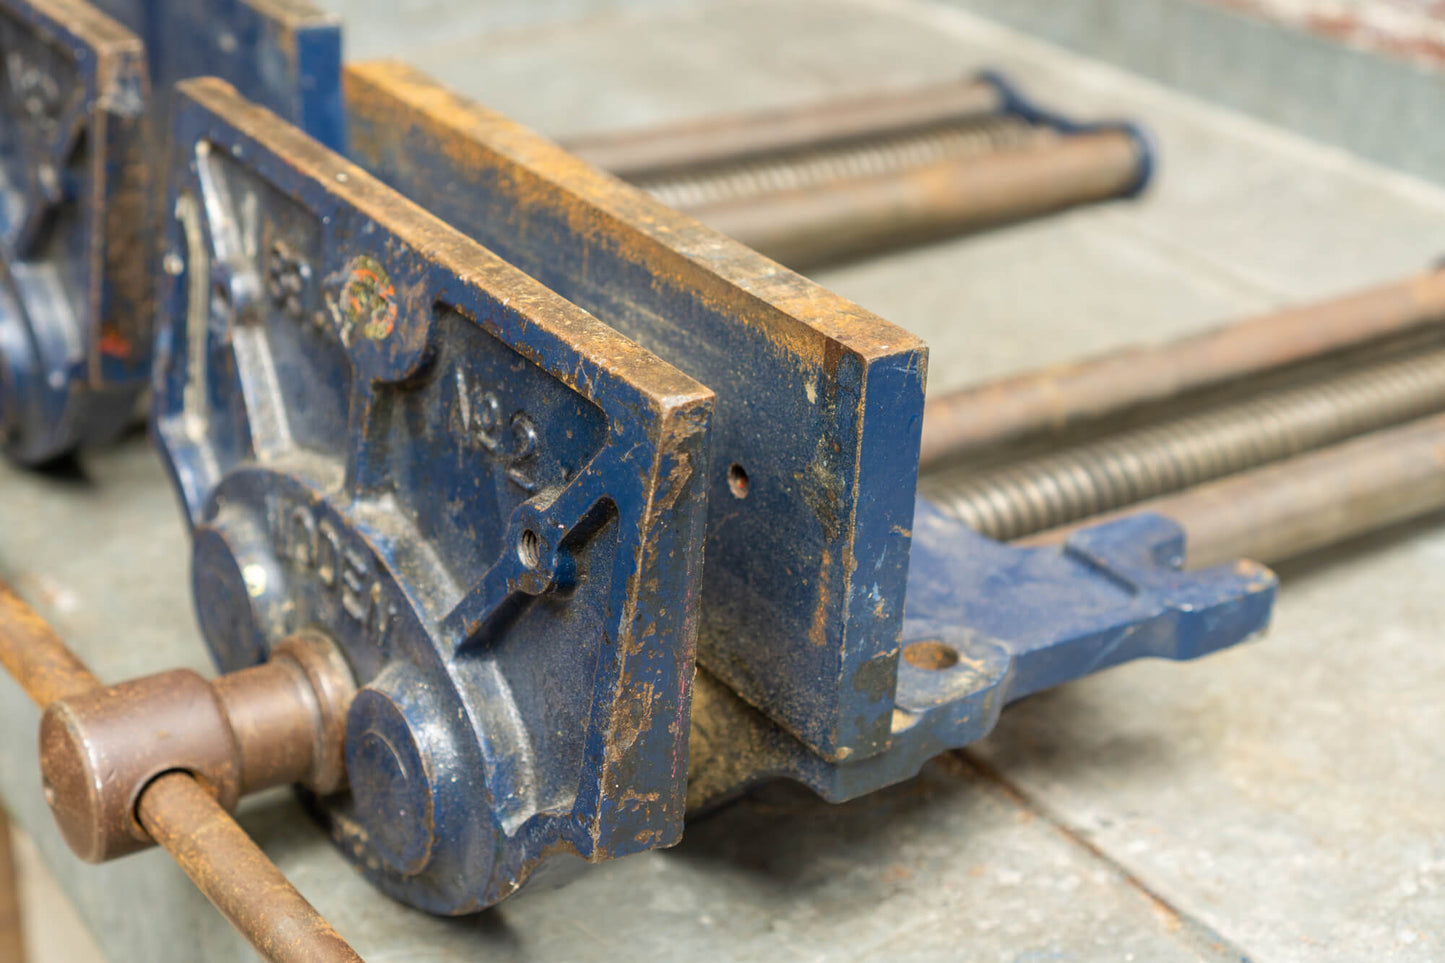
(1281, 801)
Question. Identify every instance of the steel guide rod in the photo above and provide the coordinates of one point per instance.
(1052, 400)
(236, 875)
(179, 813)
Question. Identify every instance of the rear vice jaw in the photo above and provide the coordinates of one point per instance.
(84, 104)
(488, 500)
(988, 624)
(72, 93)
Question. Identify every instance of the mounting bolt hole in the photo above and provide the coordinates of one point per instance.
(738, 481)
(930, 655)
(529, 548)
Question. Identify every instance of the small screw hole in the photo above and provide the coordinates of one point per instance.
(738, 481)
(529, 548)
(934, 656)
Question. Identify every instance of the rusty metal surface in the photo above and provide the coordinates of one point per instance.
(961, 423)
(34, 655)
(633, 153)
(236, 875)
(820, 166)
(817, 399)
(288, 715)
(810, 185)
(1304, 503)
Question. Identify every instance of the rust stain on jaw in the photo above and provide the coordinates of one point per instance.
(798, 316)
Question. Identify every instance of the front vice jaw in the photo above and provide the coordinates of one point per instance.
(491, 503)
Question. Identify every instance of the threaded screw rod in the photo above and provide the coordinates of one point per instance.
(1052, 490)
(1302, 503)
(811, 168)
(816, 184)
(632, 154)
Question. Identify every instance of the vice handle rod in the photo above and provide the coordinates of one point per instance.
(180, 814)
